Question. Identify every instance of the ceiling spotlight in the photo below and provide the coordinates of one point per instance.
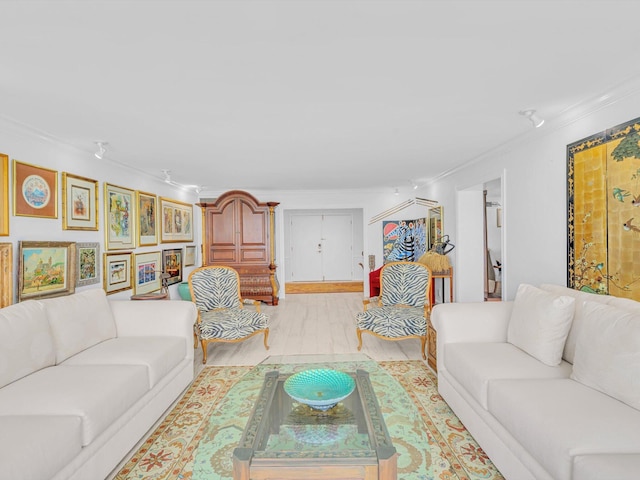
(167, 176)
(531, 115)
(101, 150)
(413, 184)
(396, 192)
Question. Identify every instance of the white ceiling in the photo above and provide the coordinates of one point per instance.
(296, 95)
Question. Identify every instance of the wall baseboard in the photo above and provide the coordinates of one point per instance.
(323, 287)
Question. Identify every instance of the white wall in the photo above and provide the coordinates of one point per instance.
(39, 149)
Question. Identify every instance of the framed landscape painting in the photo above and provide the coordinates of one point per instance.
(88, 264)
(4, 194)
(148, 272)
(172, 265)
(147, 218)
(79, 203)
(177, 221)
(117, 272)
(119, 217)
(35, 191)
(46, 269)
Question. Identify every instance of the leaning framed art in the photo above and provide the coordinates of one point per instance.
(189, 255)
(116, 272)
(79, 203)
(46, 269)
(177, 221)
(88, 264)
(35, 191)
(147, 208)
(148, 272)
(172, 265)
(4, 194)
(119, 217)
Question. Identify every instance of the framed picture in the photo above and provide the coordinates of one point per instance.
(47, 269)
(117, 272)
(119, 217)
(189, 255)
(148, 272)
(6, 274)
(35, 191)
(79, 203)
(177, 221)
(4, 194)
(88, 264)
(172, 265)
(147, 208)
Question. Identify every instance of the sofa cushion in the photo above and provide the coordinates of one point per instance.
(36, 447)
(608, 352)
(540, 322)
(609, 467)
(79, 321)
(570, 345)
(475, 365)
(558, 420)
(98, 394)
(26, 341)
(158, 355)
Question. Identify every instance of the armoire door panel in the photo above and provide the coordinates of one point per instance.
(254, 226)
(248, 255)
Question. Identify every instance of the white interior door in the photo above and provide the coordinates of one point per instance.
(337, 246)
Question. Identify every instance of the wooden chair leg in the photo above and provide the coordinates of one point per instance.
(266, 337)
(423, 342)
(204, 351)
(359, 334)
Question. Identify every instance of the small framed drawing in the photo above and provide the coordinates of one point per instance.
(46, 269)
(189, 255)
(116, 272)
(177, 221)
(4, 194)
(35, 191)
(147, 208)
(172, 265)
(148, 272)
(119, 217)
(79, 203)
(6, 274)
(88, 264)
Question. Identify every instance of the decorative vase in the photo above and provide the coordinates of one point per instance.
(183, 290)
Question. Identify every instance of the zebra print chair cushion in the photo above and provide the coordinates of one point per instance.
(230, 324)
(404, 283)
(216, 287)
(393, 321)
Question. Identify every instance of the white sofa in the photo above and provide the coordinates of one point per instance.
(82, 379)
(576, 420)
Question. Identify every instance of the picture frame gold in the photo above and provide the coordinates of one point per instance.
(35, 191)
(6, 274)
(87, 263)
(147, 272)
(177, 221)
(4, 194)
(147, 222)
(80, 200)
(119, 217)
(46, 269)
(116, 272)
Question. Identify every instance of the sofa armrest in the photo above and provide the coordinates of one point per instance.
(471, 322)
(155, 318)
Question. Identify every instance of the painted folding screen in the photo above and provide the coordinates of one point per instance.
(404, 240)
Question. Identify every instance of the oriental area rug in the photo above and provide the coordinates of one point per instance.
(197, 438)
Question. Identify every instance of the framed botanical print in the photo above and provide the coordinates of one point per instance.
(35, 191)
(119, 217)
(177, 221)
(79, 203)
(148, 272)
(6, 274)
(147, 218)
(116, 272)
(46, 269)
(88, 264)
(189, 255)
(4, 194)
(172, 265)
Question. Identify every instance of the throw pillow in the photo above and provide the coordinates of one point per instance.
(540, 322)
(608, 352)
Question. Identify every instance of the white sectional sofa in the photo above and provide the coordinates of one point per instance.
(548, 384)
(82, 379)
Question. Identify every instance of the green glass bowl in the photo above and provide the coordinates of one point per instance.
(320, 388)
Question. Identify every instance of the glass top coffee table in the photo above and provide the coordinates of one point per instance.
(292, 440)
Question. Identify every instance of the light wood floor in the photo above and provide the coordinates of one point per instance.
(315, 323)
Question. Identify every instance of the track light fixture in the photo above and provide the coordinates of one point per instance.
(396, 192)
(101, 150)
(531, 115)
(413, 184)
(167, 176)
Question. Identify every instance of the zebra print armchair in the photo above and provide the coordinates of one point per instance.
(221, 313)
(402, 308)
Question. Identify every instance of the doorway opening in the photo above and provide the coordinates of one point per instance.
(493, 240)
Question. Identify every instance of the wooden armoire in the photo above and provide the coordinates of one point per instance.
(239, 232)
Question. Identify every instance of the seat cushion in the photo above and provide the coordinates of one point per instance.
(476, 365)
(36, 447)
(609, 467)
(230, 324)
(97, 394)
(393, 321)
(79, 321)
(559, 420)
(26, 341)
(158, 354)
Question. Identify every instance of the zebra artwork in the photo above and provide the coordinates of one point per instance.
(404, 240)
